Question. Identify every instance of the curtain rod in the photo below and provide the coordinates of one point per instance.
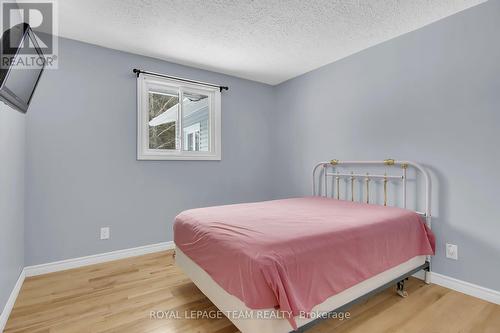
(139, 71)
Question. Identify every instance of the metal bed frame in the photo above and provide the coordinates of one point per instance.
(330, 171)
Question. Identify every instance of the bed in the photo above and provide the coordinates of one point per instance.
(281, 265)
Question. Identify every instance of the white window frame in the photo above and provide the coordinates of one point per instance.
(145, 83)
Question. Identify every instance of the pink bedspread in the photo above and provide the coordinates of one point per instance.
(293, 254)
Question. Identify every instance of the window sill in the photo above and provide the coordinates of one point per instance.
(178, 157)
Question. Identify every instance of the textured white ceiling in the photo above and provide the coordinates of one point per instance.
(263, 40)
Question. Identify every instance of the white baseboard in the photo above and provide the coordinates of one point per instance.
(11, 301)
(96, 259)
(464, 287)
(468, 288)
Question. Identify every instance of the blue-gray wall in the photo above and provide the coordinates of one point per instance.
(82, 171)
(12, 152)
(433, 96)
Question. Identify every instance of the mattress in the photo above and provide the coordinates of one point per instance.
(293, 254)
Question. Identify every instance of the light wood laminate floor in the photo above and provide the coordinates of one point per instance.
(118, 296)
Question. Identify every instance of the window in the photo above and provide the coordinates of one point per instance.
(177, 120)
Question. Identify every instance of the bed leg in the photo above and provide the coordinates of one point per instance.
(427, 279)
(400, 289)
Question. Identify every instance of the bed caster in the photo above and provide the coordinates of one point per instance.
(400, 289)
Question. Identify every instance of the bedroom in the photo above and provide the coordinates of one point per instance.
(308, 82)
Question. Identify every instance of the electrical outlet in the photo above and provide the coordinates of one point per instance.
(105, 233)
(452, 251)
